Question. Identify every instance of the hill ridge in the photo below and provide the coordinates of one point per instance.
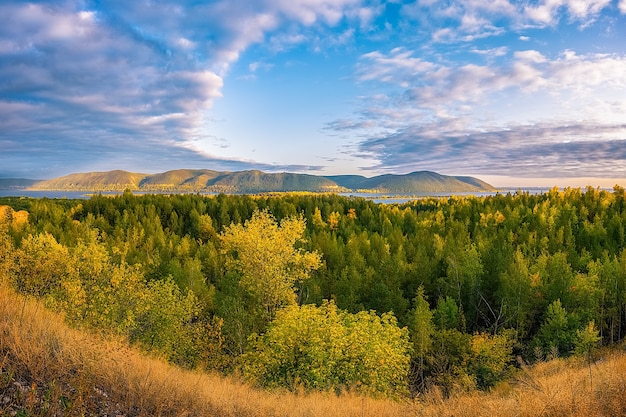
(255, 181)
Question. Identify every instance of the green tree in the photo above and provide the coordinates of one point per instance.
(490, 358)
(421, 331)
(6, 256)
(586, 341)
(556, 330)
(447, 315)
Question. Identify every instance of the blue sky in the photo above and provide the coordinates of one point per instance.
(513, 92)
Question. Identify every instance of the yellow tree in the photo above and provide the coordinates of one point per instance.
(6, 255)
(266, 256)
(40, 265)
(328, 348)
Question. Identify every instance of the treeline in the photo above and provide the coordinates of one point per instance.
(330, 292)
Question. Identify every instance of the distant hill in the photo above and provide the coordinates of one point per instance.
(351, 182)
(8, 183)
(205, 180)
(93, 181)
(416, 182)
(192, 179)
(257, 181)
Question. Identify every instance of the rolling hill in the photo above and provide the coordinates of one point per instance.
(93, 181)
(253, 181)
(415, 182)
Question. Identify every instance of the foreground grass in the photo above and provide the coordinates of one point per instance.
(560, 387)
(48, 369)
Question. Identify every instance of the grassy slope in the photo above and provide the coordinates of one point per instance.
(47, 369)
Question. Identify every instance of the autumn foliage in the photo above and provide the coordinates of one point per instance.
(322, 292)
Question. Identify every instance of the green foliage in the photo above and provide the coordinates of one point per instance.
(6, 256)
(93, 292)
(421, 324)
(421, 330)
(537, 268)
(325, 348)
(586, 340)
(447, 361)
(490, 360)
(446, 315)
(557, 329)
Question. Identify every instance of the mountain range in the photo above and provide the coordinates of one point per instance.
(205, 180)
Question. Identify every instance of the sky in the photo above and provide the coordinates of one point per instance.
(517, 93)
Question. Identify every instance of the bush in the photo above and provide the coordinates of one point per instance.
(325, 348)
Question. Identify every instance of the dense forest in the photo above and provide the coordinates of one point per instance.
(319, 291)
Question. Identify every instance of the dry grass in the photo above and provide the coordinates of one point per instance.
(561, 387)
(47, 369)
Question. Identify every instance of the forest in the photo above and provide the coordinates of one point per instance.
(324, 292)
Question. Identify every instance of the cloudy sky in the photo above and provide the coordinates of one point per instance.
(526, 92)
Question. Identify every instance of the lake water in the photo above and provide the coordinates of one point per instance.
(376, 197)
(399, 199)
(16, 192)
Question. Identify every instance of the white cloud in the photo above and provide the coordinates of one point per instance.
(430, 84)
(493, 52)
(468, 20)
(521, 115)
(548, 12)
(78, 69)
(581, 9)
(530, 56)
(399, 66)
(122, 75)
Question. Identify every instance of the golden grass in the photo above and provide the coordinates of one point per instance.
(48, 369)
(561, 387)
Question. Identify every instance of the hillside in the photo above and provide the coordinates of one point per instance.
(257, 181)
(7, 183)
(204, 180)
(50, 369)
(93, 181)
(179, 179)
(423, 182)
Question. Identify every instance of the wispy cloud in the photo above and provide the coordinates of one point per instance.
(452, 118)
(531, 151)
(118, 84)
(130, 78)
(469, 20)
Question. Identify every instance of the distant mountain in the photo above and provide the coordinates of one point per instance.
(257, 181)
(351, 182)
(204, 180)
(7, 183)
(192, 179)
(93, 181)
(416, 182)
